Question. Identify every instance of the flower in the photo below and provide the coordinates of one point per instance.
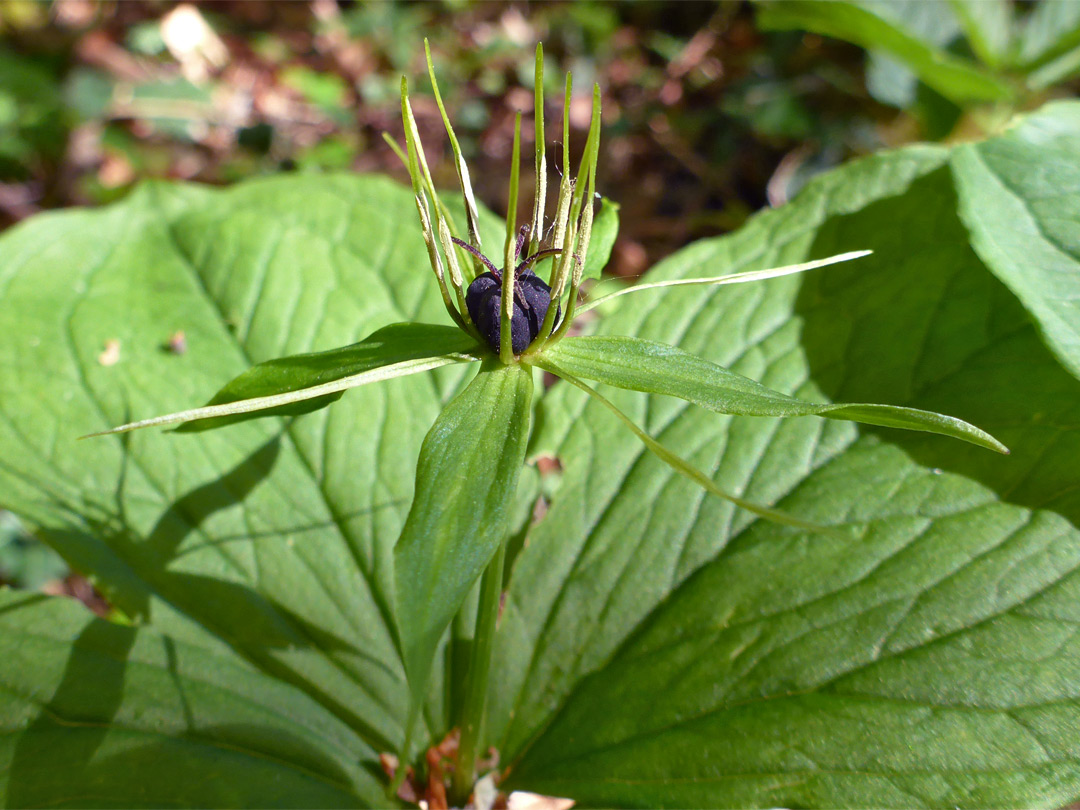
(488, 309)
(527, 322)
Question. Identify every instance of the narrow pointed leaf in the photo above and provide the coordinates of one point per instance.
(292, 403)
(1056, 71)
(580, 224)
(536, 224)
(459, 161)
(506, 306)
(392, 345)
(683, 467)
(656, 368)
(1052, 29)
(289, 386)
(424, 190)
(988, 26)
(466, 479)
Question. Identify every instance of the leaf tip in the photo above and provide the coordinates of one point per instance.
(108, 432)
(984, 439)
(849, 256)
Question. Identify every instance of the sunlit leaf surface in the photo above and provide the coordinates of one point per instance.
(659, 647)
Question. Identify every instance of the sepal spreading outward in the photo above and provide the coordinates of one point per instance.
(513, 317)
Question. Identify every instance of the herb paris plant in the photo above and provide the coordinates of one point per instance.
(470, 461)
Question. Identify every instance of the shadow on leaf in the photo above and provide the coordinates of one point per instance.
(923, 323)
(254, 625)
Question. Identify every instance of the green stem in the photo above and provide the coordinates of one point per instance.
(540, 187)
(459, 162)
(562, 223)
(403, 759)
(506, 311)
(479, 670)
(462, 636)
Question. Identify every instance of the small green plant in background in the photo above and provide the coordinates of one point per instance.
(895, 630)
(967, 64)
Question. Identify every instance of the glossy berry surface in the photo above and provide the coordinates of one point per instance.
(532, 297)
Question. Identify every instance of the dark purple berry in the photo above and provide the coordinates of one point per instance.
(532, 297)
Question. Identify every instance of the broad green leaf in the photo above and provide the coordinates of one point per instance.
(956, 79)
(466, 479)
(604, 231)
(657, 368)
(1018, 199)
(274, 538)
(660, 648)
(96, 714)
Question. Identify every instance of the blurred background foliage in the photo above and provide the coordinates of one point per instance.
(711, 110)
